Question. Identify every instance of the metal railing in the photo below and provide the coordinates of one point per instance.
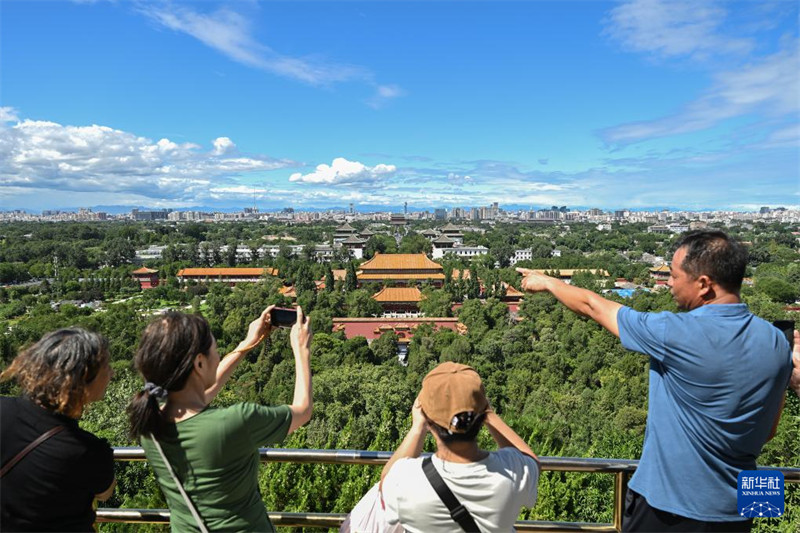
(620, 468)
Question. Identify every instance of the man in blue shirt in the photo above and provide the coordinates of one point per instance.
(718, 376)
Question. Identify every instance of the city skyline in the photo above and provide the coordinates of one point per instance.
(641, 105)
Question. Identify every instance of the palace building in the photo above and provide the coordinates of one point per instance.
(343, 232)
(401, 269)
(355, 245)
(404, 328)
(399, 301)
(660, 273)
(147, 277)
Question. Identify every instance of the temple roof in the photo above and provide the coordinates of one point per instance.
(400, 262)
(289, 291)
(144, 270)
(211, 272)
(443, 239)
(511, 291)
(352, 239)
(389, 275)
(404, 328)
(346, 228)
(398, 294)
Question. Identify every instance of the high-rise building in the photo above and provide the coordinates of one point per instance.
(160, 214)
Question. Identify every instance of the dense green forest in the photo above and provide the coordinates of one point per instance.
(562, 382)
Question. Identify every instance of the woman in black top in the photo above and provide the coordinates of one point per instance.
(52, 488)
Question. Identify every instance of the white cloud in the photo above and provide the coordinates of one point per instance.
(673, 28)
(761, 87)
(231, 34)
(768, 86)
(787, 136)
(223, 145)
(8, 114)
(342, 171)
(47, 155)
(383, 94)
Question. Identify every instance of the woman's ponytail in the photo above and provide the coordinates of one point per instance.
(144, 415)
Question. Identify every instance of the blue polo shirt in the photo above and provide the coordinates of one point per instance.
(717, 377)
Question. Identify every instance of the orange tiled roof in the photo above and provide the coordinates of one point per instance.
(662, 268)
(400, 262)
(213, 272)
(399, 294)
(338, 275)
(289, 291)
(399, 276)
(411, 320)
(511, 291)
(460, 274)
(144, 270)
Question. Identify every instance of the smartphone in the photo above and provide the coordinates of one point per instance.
(787, 328)
(282, 318)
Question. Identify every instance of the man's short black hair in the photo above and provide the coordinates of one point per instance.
(715, 254)
(469, 435)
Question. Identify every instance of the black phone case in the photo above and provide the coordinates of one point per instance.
(283, 318)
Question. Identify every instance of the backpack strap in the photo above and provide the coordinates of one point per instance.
(29, 448)
(458, 512)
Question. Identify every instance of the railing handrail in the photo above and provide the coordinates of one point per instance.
(621, 468)
(366, 457)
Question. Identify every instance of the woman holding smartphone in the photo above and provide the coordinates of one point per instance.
(206, 459)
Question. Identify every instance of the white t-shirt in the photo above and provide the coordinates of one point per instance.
(493, 490)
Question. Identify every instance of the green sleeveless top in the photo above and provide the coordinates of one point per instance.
(215, 455)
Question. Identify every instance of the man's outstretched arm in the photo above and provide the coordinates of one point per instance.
(581, 301)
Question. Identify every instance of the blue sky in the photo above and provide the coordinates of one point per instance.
(638, 104)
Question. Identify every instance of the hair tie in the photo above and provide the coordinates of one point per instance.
(155, 391)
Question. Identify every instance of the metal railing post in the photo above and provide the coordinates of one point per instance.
(620, 489)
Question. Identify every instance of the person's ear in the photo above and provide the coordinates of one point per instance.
(198, 362)
(705, 285)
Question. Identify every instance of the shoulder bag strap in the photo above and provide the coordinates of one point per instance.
(17, 458)
(177, 481)
(458, 512)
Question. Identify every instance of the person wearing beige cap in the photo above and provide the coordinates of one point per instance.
(460, 487)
